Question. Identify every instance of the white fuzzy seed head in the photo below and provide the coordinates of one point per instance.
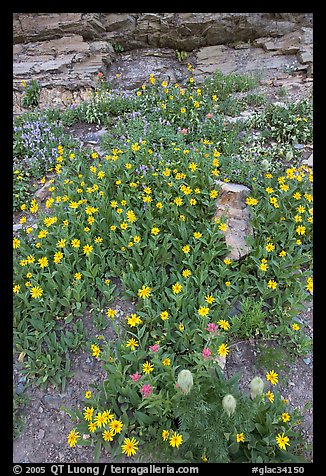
(256, 387)
(229, 404)
(185, 381)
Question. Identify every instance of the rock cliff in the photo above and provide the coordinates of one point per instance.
(64, 51)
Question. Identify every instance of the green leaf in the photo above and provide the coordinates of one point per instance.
(86, 442)
(70, 317)
(143, 417)
(234, 447)
(37, 324)
(97, 451)
(130, 357)
(261, 430)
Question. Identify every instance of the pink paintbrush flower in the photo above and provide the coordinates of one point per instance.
(146, 390)
(154, 348)
(206, 353)
(135, 377)
(212, 327)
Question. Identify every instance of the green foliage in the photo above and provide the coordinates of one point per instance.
(225, 85)
(256, 154)
(255, 99)
(48, 351)
(101, 108)
(233, 106)
(118, 47)
(143, 212)
(197, 419)
(272, 357)
(213, 434)
(281, 92)
(251, 321)
(203, 419)
(286, 123)
(181, 55)
(21, 188)
(32, 95)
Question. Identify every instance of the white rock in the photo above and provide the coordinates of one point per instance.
(231, 204)
(309, 160)
(17, 227)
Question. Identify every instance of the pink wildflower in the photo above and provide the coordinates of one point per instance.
(206, 353)
(154, 348)
(209, 115)
(135, 377)
(184, 131)
(212, 327)
(146, 390)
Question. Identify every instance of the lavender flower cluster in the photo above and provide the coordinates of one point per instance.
(35, 144)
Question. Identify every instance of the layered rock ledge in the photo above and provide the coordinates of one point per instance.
(64, 51)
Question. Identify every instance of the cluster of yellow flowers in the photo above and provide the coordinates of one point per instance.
(135, 204)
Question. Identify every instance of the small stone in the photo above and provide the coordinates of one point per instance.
(305, 56)
(307, 360)
(52, 399)
(221, 361)
(280, 104)
(234, 311)
(40, 434)
(20, 388)
(40, 409)
(43, 192)
(309, 161)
